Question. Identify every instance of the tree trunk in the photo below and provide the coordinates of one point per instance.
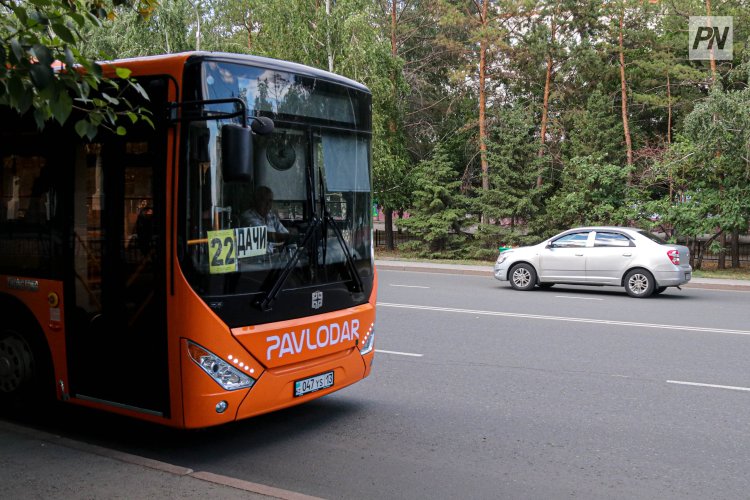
(625, 126)
(329, 44)
(704, 248)
(545, 102)
(722, 257)
(394, 53)
(711, 53)
(483, 103)
(669, 116)
(388, 217)
(735, 249)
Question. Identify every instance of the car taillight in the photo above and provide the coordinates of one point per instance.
(674, 256)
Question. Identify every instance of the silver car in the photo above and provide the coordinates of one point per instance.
(618, 256)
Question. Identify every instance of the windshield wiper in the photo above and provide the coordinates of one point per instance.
(358, 287)
(267, 303)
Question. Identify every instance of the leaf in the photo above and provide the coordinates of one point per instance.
(40, 116)
(63, 32)
(123, 73)
(121, 130)
(148, 120)
(81, 127)
(137, 86)
(18, 51)
(69, 58)
(112, 100)
(42, 54)
(78, 18)
(61, 107)
(23, 100)
(21, 14)
(91, 132)
(39, 18)
(111, 116)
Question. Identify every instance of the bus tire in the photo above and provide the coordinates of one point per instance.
(25, 366)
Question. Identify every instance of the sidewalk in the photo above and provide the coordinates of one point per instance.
(35, 464)
(486, 270)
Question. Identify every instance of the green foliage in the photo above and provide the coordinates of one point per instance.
(439, 212)
(596, 130)
(44, 71)
(512, 198)
(170, 29)
(592, 192)
(690, 131)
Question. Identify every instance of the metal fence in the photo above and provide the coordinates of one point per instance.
(398, 238)
(708, 256)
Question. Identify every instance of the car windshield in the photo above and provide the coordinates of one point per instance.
(303, 217)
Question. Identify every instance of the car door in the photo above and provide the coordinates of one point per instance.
(564, 258)
(609, 257)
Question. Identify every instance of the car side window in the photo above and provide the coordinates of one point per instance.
(573, 240)
(604, 239)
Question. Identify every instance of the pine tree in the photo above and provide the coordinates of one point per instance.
(439, 213)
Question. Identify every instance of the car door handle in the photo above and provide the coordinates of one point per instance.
(579, 255)
(627, 255)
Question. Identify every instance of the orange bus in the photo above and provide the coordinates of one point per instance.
(214, 266)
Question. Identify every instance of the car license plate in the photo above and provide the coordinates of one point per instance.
(312, 384)
(687, 276)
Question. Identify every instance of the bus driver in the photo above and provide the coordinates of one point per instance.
(260, 214)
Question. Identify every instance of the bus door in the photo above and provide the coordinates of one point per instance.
(117, 335)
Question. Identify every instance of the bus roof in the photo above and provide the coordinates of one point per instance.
(264, 62)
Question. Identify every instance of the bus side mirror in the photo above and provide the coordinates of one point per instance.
(237, 153)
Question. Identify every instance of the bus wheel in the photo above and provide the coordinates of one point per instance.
(20, 368)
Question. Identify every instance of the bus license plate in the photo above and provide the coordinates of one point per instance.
(312, 384)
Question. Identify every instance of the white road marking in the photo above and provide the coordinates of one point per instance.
(400, 353)
(563, 318)
(578, 298)
(411, 286)
(730, 387)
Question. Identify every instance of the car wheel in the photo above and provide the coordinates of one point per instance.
(522, 277)
(659, 289)
(639, 283)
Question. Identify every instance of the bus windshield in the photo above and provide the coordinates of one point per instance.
(301, 219)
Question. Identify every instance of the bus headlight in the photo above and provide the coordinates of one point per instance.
(369, 341)
(222, 372)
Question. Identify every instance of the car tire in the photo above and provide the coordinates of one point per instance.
(639, 283)
(522, 277)
(659, 289)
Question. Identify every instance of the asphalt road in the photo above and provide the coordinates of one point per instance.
(479, 391)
